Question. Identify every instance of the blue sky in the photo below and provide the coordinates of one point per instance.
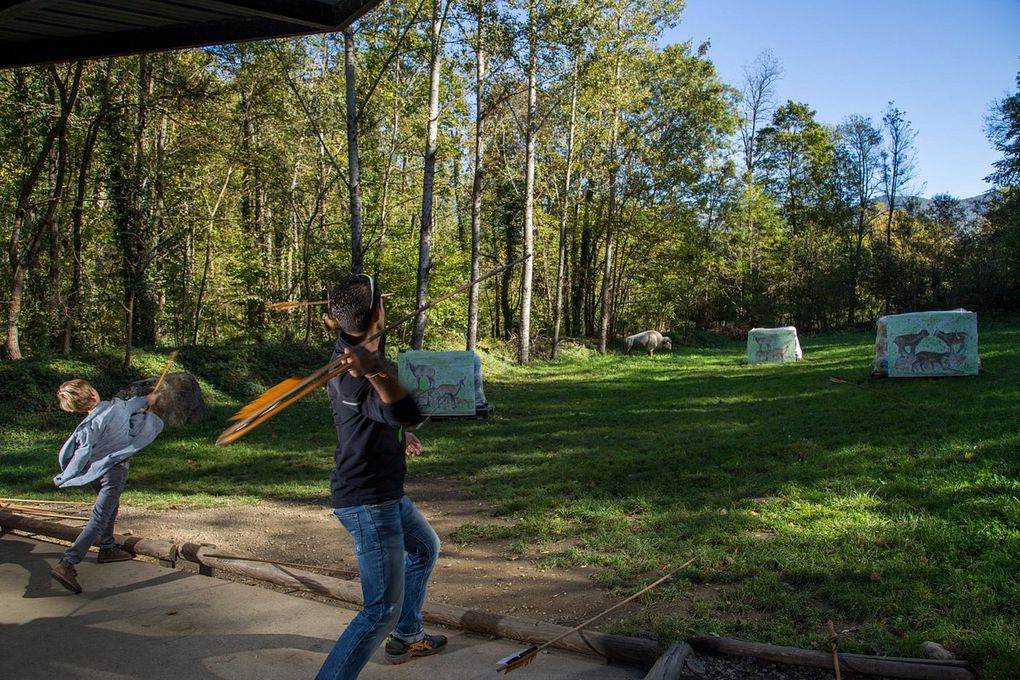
(942, 62)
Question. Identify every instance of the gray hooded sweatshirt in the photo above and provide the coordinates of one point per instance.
(111, 433)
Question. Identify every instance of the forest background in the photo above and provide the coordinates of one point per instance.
(168, 199)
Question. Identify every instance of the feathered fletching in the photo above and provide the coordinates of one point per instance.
(288, 306)
(261, 401)
(275, 399)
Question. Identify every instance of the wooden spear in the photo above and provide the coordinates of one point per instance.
(526, 656)
(40, 513)
(166, 369)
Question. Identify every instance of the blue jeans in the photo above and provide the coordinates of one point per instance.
(396, 549)
(104, 514)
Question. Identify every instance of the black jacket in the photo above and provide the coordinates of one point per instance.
(369, 454)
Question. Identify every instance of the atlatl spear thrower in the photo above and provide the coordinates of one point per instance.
(288, 391)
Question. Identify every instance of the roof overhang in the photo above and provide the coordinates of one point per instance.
(46, 31)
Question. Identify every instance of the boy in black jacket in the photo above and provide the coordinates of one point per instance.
(395, 545)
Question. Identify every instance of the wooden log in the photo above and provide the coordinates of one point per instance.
(670, 666)
(161, 550)
(617, 648)
(898, 667)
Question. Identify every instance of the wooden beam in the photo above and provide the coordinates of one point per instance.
(316, 15)
(161, 550)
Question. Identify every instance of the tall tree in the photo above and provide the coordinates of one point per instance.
(561, 257)
(861, 143)
(758, 101)
(439, 11)
(64, 84)
(898, 164)
(478, 176)
(530, 132)
(353, 159)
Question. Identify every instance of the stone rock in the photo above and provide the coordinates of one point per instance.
(933, 650)
(180, 401)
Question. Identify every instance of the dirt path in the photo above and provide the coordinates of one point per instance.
(484, 575)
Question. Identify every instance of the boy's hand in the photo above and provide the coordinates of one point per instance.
(152, 398)
(413, 446)
(362, 363)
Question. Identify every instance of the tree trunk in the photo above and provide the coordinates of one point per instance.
(561, 266)
(78, 210)
(529, 189)
(479, 177)
(20, 262)
(607, 264)
(353, 160)
(394, 138)
(208, 256)
(129, 312)
(424, 243)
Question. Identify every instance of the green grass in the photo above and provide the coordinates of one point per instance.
(889, 506)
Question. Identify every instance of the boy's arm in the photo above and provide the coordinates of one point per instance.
(371, 390)
(135, 404)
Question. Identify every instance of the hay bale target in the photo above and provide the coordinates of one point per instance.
(773, 345)
(444, 383)
(927, 344)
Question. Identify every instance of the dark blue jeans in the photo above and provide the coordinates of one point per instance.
(104, 514)
(396, 549)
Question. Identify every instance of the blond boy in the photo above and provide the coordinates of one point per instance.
(96, 453)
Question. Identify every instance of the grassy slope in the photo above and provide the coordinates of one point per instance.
(890, 506)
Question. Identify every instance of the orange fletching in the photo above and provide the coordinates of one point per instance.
(260, 402)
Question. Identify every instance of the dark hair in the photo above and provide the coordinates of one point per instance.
(352, 302)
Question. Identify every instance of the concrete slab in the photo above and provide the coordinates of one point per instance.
(137, 620)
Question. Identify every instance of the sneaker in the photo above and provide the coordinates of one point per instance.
(114, 554)
(66, 575)
(398, 651)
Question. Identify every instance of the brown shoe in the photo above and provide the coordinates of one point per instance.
(114, 554)
(66, 575)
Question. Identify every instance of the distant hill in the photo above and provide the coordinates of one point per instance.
(972, 208)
